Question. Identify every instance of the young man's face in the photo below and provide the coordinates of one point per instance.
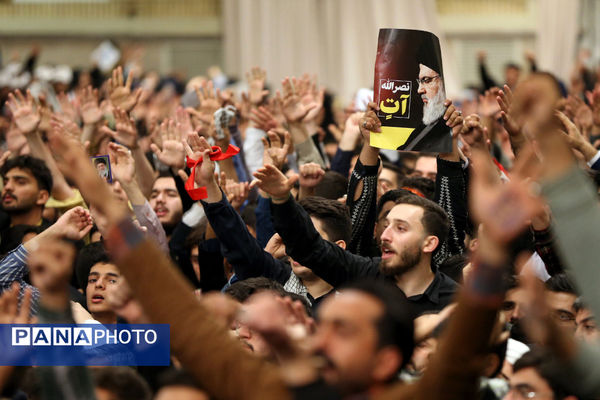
(561, 304)
(21, 192)
(527, 381)
(165, 201)
(100, 278)
(425, 167)
(586, 326)
(347, 339)
(403, 240)
(381, 223)
(389, 177)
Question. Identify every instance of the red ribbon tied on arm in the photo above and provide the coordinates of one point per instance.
(215, 155)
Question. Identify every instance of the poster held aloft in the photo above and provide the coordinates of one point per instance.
(409, 90)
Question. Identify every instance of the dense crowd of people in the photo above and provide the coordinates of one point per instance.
(290, 258)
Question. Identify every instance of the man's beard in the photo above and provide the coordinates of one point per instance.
(434, 109)
(409, 259)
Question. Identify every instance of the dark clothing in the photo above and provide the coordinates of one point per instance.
(432, 138)
(338, 266)
(363, 211)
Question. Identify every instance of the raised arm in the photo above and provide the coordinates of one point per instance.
(303, 243)
(241, 249)
(201, 344)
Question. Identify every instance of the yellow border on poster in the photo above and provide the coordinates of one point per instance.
(391, 137)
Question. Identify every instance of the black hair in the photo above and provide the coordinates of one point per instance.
(424, 185)
(176, 377)
(242, 290)
(37, 167)
(435, 220)
(89, 256)
(512, 65)
(453, 267)
(333, 186)
(395, 326)
(561, 283)
(123, 383)
(391, 195)
(545, 365)
(333, 215)
(397, 170)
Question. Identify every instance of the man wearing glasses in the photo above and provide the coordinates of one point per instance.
(432, 135)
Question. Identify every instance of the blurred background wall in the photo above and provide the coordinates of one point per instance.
(334, 38)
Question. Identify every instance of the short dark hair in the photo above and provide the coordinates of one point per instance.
(435, 220)
(242, 290)
(89, 256)
(176, 377)
(122, 382)
(391, 195)
(453, 266)
(333, 214)
(424, 185)
(561, 283)
(395, 327)
(544, 364)
(333, 186)
(37, 167)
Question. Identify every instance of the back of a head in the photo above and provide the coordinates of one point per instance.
(419, 186)
(395, 327)
(333, 186)
(123, 383)
(333, 215)
(89, 256)
(37, 167)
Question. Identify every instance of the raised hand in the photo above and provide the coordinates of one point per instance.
(273, 182)
(90, 110)
(311, 175)
(453, 118)
(487, 105)
(274, 151)
(50, 267)
(66, 126)
(310, 95)
(10, 312)
(198, 147)
(120, 299)
(575, 139)
(126, 131)
(593, 98)
(120, 93)
(263, 119)
(256, 85)
(474, 134)
(369, 122)
(291, 104)
(504, 99)
(74, 224)
(67, 108)
(578, 112)
(236, 192)
(208, 99)
(504, 209)
(172, 151)
(25, 113)
(122, 163)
